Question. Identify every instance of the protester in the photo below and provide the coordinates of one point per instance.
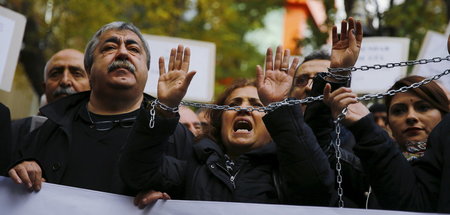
(379, 112)
(202, 114)
(64, 75)
(238, 161)
(80, 142)
(397, 184)
(189, 119)
(5, 143)
(413, 114)
(314, 63)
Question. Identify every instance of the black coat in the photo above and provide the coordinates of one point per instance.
(294, 170)
(423, 186)
(50, 144)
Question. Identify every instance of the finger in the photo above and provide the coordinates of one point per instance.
(351, 23)
(23, 174)
(186, 59)
(269, 59)
(150, 198)
(179, 57)
(359, 32)
(188, 79)
(326, 93)
(13, 174)
(294, 66)
(37, 178)
(166, 196)
(259, 76)
(334, 34)
(138, 198)
(278, 58)
(162, 69)
(343, 30)
(285, 62)
(173, 52)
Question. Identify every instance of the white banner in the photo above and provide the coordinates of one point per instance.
(434, 45)
(380, 50)
(203, 58)
(12, 27)
(57, 199)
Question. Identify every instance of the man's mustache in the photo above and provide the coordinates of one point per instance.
(121, 64)
(63, 91)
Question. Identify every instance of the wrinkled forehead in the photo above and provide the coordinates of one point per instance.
(313, 67)
(119, 36)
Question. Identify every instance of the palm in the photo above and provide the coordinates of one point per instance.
(173, 85)
(345, 50)
(276, 86)
(275, 83)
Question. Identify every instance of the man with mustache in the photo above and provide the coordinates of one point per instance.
(79, 144)
(64, 75)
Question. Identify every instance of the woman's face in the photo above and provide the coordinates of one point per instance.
(411, 118)
(243, 131)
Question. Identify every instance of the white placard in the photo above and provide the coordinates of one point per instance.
(380, 50)
(12, 27)
(57, 199)
(434, 45)
(203, 58)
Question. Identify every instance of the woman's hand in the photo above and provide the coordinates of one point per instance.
(275, 82)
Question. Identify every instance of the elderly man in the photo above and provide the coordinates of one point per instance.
(80, 142)
(64, 75)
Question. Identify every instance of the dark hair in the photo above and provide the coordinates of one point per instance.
(215, 116)
(378, 107)
(120, 26)
(430, 92)
(317, 55)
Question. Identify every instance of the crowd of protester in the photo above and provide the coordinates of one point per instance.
(100, 131)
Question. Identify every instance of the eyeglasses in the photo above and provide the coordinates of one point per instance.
(303, 80)
(110, 124)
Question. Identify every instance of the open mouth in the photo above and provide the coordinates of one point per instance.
(242, 126)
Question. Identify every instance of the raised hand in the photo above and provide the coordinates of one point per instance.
(28, 173)
(274, 84)
(145, 198)
(173, 85)
(345, 49)
(344, 98)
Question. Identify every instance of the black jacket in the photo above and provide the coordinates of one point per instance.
(294, 170)
(423, 186)
(50, 144)
(318, 117)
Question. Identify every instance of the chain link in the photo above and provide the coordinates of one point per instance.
(391, 65)
(340, 190)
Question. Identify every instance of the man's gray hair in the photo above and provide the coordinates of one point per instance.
(90, 48)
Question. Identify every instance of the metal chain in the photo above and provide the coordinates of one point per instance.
(340, 190)
(275, 105)
(391, 65)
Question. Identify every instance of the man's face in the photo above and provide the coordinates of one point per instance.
(65, 75)
(119, 63)
(303, 78)
(189, 119)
